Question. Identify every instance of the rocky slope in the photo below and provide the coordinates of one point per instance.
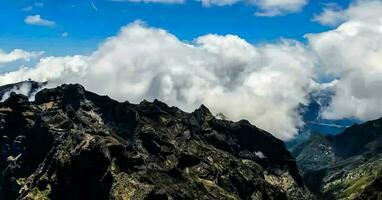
(73, 144)
(342, 166)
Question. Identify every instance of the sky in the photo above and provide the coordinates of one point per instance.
(88, 22)
(254, 59)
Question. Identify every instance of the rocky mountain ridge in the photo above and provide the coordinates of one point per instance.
(73, 144)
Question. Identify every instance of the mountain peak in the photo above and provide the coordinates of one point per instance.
(71, 143)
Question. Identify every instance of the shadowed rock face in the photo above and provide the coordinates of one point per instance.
(74, 144)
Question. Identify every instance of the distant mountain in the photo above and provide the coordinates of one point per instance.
(343, 165)
(314, 123)
(73, 144)
(311, 114)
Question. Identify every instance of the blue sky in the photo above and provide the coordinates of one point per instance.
(87, 27)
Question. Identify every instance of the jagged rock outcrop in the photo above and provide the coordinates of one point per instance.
(342, 166)
(73, 144)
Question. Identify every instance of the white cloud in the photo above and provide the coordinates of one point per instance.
(37, 20)
(17, 54)
(263, 84)
(266, 8)
(153, 1)
(332, 15)
(353, 53)
(269, 8)
(361, 10)
(220, 2)
(65, 34)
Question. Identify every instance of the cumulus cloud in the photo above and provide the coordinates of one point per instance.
(38, 21)
(263, 84)
(352, 52)
(17, 54)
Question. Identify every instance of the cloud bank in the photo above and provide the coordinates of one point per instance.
(353, 53)
(17, 54)
(263, 84)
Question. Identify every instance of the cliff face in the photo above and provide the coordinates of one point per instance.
(342, 166)
(73, 144)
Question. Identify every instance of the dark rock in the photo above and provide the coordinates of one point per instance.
(16, 101)
(74, 144)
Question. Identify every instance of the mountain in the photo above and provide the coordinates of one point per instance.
(312, 117)
(74, 144)
(343, 165)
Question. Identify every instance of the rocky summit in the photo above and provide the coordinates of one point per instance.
(73, 144)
